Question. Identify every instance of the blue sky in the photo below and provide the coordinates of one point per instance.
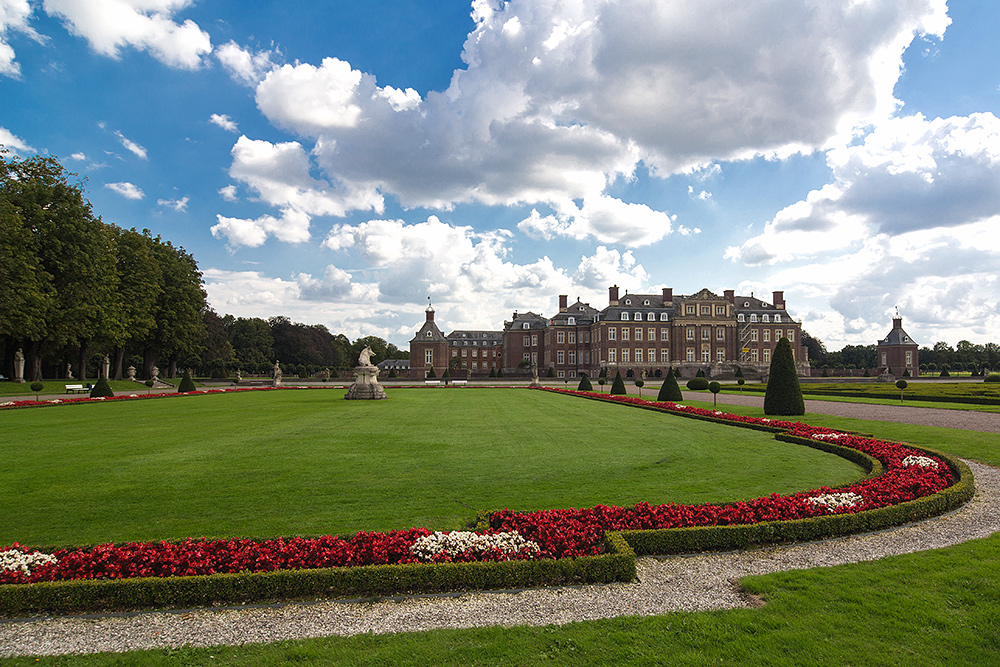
(340, 162)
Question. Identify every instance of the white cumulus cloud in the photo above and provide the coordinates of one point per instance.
(13, 142)
(131, 146)
(223, 121)
(126, 189)
(147, 25)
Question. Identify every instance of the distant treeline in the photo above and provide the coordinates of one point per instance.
(965, 356)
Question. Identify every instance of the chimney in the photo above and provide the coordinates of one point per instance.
(430, 314)
(563, 307)
(613, 295)
(897, 322)
(730, 296)
(779, 300)
(668, 295)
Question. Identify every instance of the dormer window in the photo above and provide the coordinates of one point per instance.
(624, 316)
(526, 325)
(663, 317)
(646, 302)
(777, 318)
(746, 304)
(628, 302)
(638, 317)
(766, 318)
(739, 318)
(571, 320)
(650, 317)
(753, 317)
(429, 334)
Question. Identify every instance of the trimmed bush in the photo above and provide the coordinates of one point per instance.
(37, 387)
(700, 373)
(585, 384)
(552, 372)
(697, 384)
(493, 371)
(784, 395)
(101, 390)
(739, 372)
(992, 377)
(944, 373)
(669, 391)
(187, 384)
(618, 386)
(431, 375)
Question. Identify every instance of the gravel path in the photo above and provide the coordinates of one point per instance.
(682, 583)
(968, 420)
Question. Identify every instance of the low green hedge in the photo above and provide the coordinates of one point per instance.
(63, 597)
(744, 536)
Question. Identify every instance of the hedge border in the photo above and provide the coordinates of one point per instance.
(369, 581)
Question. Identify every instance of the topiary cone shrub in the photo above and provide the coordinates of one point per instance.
(101, 390)
(618, 386)
(669, 391)
(552, 372)
(187, 384)
(37, 388)
(783, 395)
(585, 384)
(430, 374)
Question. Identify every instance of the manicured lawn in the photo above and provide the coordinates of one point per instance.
(932, 608)
(969, 395)
(308, 462)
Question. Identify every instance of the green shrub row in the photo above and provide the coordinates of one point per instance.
(64, 597)
(737, 537)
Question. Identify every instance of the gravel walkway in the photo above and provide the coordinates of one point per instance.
(988, 422)
(683, 583)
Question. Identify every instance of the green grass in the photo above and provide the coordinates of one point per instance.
(308, 462)
(932, 608)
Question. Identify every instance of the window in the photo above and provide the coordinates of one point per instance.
(646, 302)
(664, 334)
(650, 317)
(706, 356)
(650, 356)
(777, 318)
(625, 333)
(753, 355)
(638, 317)
(572, 337)
(527, 357)
(690, 311)
(454, 354)
(624, 355)
(720, 354)
(706, 333)
(475, 353)
(690, 331)
(650, 333)
(526, 325)
(690, 354)
(753, 317)
(465, 353)
(720, 310)
(612, 333)
(739, 318)
(534, 341)
(883, 359)
(628, 302)
(638, 333)
(430, 334)
(767, 355)
(586, 337)
(624, 316)
(572, 357)
(663, 317)
(720, 333)
(706, 310)
(767, 335)
(561, 337)
(909, 358)
(765, 318)
(560, 357)
(571, 320)
(753, 335)
(572, 374)
(527, 341)
(638, 355)
(613, 356)
(561, 374)
(664, 356)
(428, 357)
(475, 365)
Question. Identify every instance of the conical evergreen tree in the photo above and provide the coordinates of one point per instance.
(187, 384)
(669, 391)
(618, 386)
(493, 371)
(431, 375)
(552, 372)
(585, 384)
(784, 395)
(101, 389)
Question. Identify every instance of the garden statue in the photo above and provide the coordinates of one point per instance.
(155, 374)
(19, 366)
(239, 376)
(130, 374)
(105, 367)
(534, 375)
(365, 385)
(365, 358)
(276, 382)
(69, 371)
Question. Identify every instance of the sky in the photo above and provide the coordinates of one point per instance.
(344, 163)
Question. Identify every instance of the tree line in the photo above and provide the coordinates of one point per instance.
(74, 289)
(966, 356)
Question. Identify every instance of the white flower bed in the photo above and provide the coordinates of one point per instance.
(834, 501)
(460, 541)
(922, 461)
(15, 559)
(826, 436)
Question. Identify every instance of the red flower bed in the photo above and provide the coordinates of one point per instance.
(564, 533)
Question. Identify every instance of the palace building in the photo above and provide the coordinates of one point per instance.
(635, 333)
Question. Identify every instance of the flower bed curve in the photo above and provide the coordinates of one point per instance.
(909, 474)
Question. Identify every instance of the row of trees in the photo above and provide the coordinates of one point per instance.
(71, 284)
(965, 356)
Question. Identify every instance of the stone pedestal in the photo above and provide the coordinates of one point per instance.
(365, 386)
